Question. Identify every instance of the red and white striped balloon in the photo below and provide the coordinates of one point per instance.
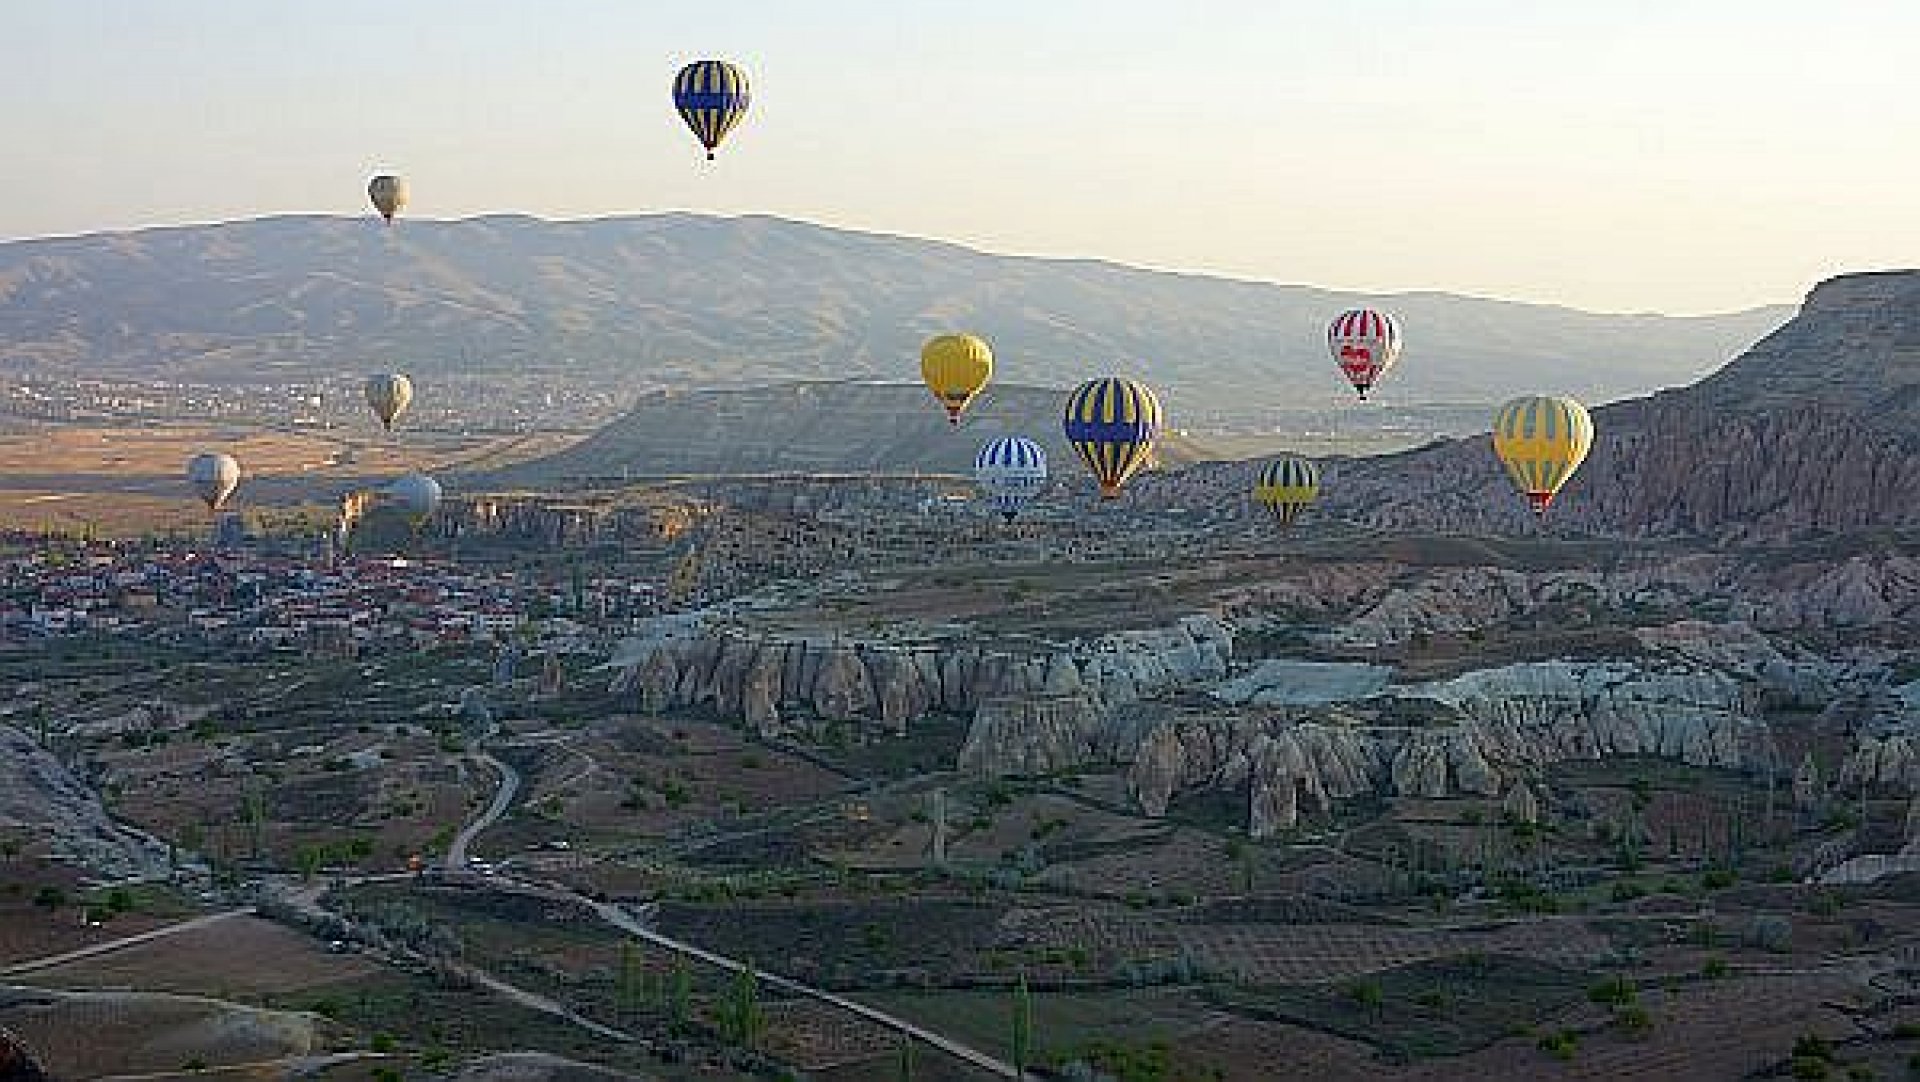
(1364, 343)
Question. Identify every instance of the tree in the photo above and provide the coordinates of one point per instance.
(1368, 994)
(257, 821)
(630, 974)
(1022, 1042)
(906, 1059)
(680, 993)
(741, 1019)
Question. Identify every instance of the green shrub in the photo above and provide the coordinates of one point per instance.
(1560, 1044)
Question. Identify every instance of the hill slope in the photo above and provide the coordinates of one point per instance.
(810, 427)
(683, 301)
(1816, 428)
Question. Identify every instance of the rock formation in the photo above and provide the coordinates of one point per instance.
(38, 796)
(1505, 724)
(786, 684)
(1719, 459)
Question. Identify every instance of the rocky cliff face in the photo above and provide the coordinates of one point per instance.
(782, 685)
(39, 797)
(1384, 603)
(1499, 728)
(1294, 737)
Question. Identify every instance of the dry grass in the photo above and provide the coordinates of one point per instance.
(245, 957)
(125, 479)
(96, 1034)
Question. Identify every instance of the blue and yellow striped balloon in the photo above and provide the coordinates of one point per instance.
(1112, 424)
(712, 98)
(1286, 486)
(1542, 439)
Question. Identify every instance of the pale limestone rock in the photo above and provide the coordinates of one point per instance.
(1520, 805)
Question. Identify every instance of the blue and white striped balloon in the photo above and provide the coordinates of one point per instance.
(1011, 470)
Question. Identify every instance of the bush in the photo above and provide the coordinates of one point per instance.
(1812, 1046)
(1714, 969)
(1770, 931)
(1632, 1019)
(1809, 1068)
(1561, 1044)
(1626, 890)
(1615, 991)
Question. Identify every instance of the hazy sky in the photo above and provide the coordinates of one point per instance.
(1678, 155)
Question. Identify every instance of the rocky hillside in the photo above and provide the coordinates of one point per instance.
(824, 428)
(1694, 659)
(40, 798)
(687, 301)
(1817, 428)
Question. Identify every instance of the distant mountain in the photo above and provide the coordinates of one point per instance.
(1815, 429)
(686, 301)
(810, 427)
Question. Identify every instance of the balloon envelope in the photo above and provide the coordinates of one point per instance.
(712, 97)
(1011, 470)
(1542, 439)
(1364, 343)
(213, 477)
(389, 395)
(389, 195)
(956, 367)
(1286, 486)
(1112, 424)
(416, 495)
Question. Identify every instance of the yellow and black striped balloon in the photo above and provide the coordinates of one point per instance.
(1112, 424)
(1286, 486)
(712, 97)
(1542, 439)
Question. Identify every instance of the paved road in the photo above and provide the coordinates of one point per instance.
(502, 799)
(53, 960)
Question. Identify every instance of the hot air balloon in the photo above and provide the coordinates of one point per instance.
(712, 97)
(213, 476)
(389, 195)
(416, 495)
(1286, 486)
(955, 368)
(1012, 470)
(1112, 424)
(389, 394)
(1364, 343)
(1541, 439)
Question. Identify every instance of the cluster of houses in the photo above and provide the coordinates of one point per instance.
(269, 601)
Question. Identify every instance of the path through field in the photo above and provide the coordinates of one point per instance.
(54, 960)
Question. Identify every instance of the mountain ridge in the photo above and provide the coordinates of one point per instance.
(681, 299)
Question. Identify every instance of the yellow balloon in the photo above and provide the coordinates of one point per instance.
(1542, 439)
(956, 367)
